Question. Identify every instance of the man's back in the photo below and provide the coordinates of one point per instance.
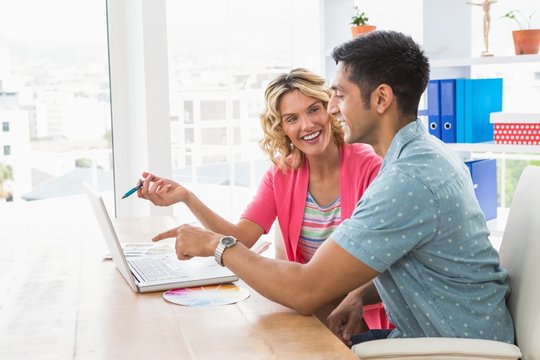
(421, 227)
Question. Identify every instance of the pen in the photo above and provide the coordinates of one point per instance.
(133, 190)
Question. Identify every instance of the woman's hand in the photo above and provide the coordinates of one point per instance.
(162, 192)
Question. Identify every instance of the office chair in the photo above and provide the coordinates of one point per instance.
(520, 255)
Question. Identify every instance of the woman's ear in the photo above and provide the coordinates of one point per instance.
(382, 98)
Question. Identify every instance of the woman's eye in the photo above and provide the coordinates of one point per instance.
(314, 109)
(290, 119)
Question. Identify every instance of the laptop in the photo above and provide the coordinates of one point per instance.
(148, 273)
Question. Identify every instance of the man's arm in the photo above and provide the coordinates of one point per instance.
(332, 272)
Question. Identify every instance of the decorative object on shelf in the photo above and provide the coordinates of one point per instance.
(511, 128)
(526, 40)
(359, 22)
(486, 6)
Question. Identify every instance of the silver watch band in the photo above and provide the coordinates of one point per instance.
(224, 243)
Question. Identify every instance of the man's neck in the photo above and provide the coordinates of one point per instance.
(388, 133)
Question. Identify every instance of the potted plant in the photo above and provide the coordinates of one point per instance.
(359, 23)
(526, 40)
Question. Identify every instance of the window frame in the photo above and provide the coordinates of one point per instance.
(138, 69)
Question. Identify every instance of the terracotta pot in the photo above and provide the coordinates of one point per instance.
(526, 41)
(361, 29)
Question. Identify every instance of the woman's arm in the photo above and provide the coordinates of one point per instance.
(164, 192)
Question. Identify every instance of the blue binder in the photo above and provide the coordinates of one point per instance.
(448, 110)
(434, 109)
(483, 96)
(484, 177)
(460, 110)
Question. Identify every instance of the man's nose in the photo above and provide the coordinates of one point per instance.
(332, 107)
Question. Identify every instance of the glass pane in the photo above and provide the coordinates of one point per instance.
(54, 98)
(213, 109)
(222, 54)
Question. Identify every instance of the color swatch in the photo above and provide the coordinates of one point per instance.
(209, 295)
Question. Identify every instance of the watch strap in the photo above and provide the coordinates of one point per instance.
(220, 249)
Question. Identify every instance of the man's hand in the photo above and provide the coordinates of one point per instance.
(194, 241)
(346, 319)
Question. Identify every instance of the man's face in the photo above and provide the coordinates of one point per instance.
(346, 104)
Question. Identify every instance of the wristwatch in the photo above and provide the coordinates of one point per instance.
(224, 243)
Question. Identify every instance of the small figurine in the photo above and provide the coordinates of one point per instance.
(486, 6)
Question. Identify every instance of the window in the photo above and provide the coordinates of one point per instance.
(217, 80)
(213, 110)
(55, 90)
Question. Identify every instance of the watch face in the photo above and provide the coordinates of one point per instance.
(228, 241)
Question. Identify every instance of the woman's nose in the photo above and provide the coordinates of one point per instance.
(306, 122)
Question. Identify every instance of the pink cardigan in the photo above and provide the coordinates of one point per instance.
(284, 194)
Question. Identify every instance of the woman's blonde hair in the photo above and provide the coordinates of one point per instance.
(275, 143)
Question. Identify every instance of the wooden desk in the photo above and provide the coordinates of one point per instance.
(60, 300)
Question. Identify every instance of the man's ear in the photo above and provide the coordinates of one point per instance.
(382, 98)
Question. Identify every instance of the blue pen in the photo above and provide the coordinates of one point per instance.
(133, 190)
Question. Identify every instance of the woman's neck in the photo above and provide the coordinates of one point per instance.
(325, 164)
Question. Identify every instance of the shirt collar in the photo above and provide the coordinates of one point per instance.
(405, 135)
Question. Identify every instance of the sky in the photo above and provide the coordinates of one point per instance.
(47, 23)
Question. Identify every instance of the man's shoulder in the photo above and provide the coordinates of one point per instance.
(398, 179)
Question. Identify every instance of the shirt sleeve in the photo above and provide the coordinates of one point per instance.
(396, 214)
(262, 209)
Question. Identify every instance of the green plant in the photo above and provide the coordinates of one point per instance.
(6, 173)
(522, 21)
(359, 18)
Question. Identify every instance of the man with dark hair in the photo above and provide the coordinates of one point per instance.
(417, 235)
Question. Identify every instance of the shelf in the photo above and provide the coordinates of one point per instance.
(496, 148)
(494, 60)
(492, 147)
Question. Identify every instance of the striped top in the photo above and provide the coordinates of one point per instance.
(319, 222)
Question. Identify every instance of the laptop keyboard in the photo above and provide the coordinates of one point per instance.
(152, 268)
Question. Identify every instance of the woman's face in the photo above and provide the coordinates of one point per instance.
(306, 122)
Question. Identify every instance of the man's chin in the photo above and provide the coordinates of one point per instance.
(347, 136)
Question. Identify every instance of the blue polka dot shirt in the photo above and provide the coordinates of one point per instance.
(420, 226)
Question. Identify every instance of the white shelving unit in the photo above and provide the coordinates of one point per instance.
(447, 37)
(495, 60)
(530, 152)
(450, 50)
(502, 152)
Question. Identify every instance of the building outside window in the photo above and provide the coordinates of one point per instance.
(222, 54)
(54, 96)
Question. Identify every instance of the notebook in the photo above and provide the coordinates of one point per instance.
(147, 273)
